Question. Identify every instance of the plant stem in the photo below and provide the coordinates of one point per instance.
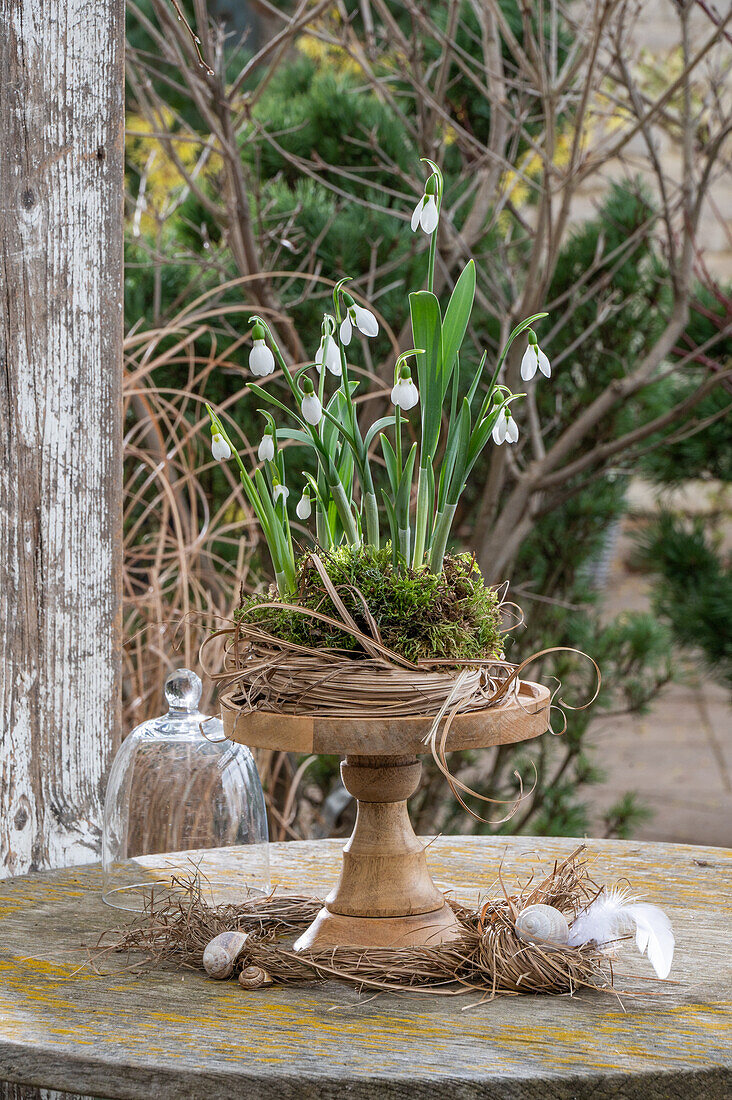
(420, 522)
(431, 262)
(372, 518)
(398, 439)
(443, 523)
(344, 511)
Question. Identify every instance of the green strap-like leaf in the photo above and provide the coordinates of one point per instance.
(404, 491)
(390, 461)
(456, 459)
(377, 426)
(457, 316)
(427, 334)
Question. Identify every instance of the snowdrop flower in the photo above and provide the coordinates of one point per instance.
(261, 359)
(328, 355)
(363, 319)
(426, 213)
(311, 409)
(266, 450)
(534, 357)
(220, 449)
(280, 491)
(505, 430)
(304, 507)
(405, 393)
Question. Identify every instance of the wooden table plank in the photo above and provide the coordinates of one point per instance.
(179, 1035)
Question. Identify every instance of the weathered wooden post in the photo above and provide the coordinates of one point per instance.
(61, 179)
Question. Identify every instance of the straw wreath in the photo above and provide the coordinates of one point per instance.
(488, 957)
(263, 672)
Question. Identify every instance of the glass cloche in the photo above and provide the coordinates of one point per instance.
(178, 793)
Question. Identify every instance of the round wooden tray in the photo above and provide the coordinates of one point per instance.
(517, 720)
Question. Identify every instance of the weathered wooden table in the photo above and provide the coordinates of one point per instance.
(173, 1036)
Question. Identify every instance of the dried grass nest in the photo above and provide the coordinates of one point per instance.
(489, 957)
(262, 671)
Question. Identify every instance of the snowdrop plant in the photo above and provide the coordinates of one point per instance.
(534, 358)
(328, 356)
(220, 449)
(455, 414)
(261, 359)
(358, 317)
(266, 449)
(426, 213)
(506, 428)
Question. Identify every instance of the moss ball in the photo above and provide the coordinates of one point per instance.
(448, 616)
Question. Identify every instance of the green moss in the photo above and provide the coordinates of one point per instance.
(450, 616)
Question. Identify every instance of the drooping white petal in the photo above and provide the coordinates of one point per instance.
(304, 508)
(220, 449)
(365, 321)
(346, 330)
(405, 394)
(544, 364)
(320, 355)
(430, 216)
(416, 215)
(261, 359)
(333, 357)
(266, 449)
(311, 409)
(529, 363)
(500, 428)
(280, 491)
(512, 432)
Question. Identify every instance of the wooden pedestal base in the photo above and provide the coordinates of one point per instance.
(332, 930)
(385, 896)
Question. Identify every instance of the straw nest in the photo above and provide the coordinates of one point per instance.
(263, 672)
(260, 671)
(489, 956)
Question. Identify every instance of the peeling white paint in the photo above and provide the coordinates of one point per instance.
(60, 460)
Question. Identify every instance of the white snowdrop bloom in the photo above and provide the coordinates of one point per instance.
(426, 214)
(220, 449)
(266, 450)
(405, 393)
(328, 356)
(311, 409)
(261, 360)
(363, 319)
(499, 428)
(304, 507)
(505, 429)
(534, 358)
(346, 330)
(280, 491)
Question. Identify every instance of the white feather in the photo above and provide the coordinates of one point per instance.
(612, 915)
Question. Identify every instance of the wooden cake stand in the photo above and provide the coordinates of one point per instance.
(385, 896)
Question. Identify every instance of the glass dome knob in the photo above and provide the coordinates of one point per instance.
(183, 690)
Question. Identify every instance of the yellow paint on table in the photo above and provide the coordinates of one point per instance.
(85, 1029)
